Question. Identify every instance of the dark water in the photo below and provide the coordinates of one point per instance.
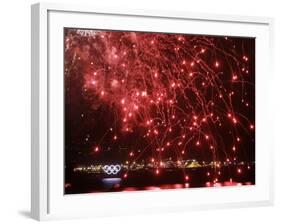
(147, 179)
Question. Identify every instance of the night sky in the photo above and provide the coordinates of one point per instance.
(145, 97)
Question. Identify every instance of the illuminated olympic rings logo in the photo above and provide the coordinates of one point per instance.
(111, 169)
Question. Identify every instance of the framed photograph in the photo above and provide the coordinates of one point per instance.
(148, 111)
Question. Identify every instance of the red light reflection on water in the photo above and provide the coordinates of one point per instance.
(187, 185)
(178, 186)
(171, 186)
(248, 183)
(131, 189)
(152, 188)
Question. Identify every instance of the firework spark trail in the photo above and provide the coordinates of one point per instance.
(171, 88)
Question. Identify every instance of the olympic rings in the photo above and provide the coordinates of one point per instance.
(111, 169)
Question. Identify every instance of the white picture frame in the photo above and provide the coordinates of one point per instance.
(47, 201)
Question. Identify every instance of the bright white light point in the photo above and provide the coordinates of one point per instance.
(114, 83)
(217, 64)
(123, 101)
(245, 58)
(143, 93)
